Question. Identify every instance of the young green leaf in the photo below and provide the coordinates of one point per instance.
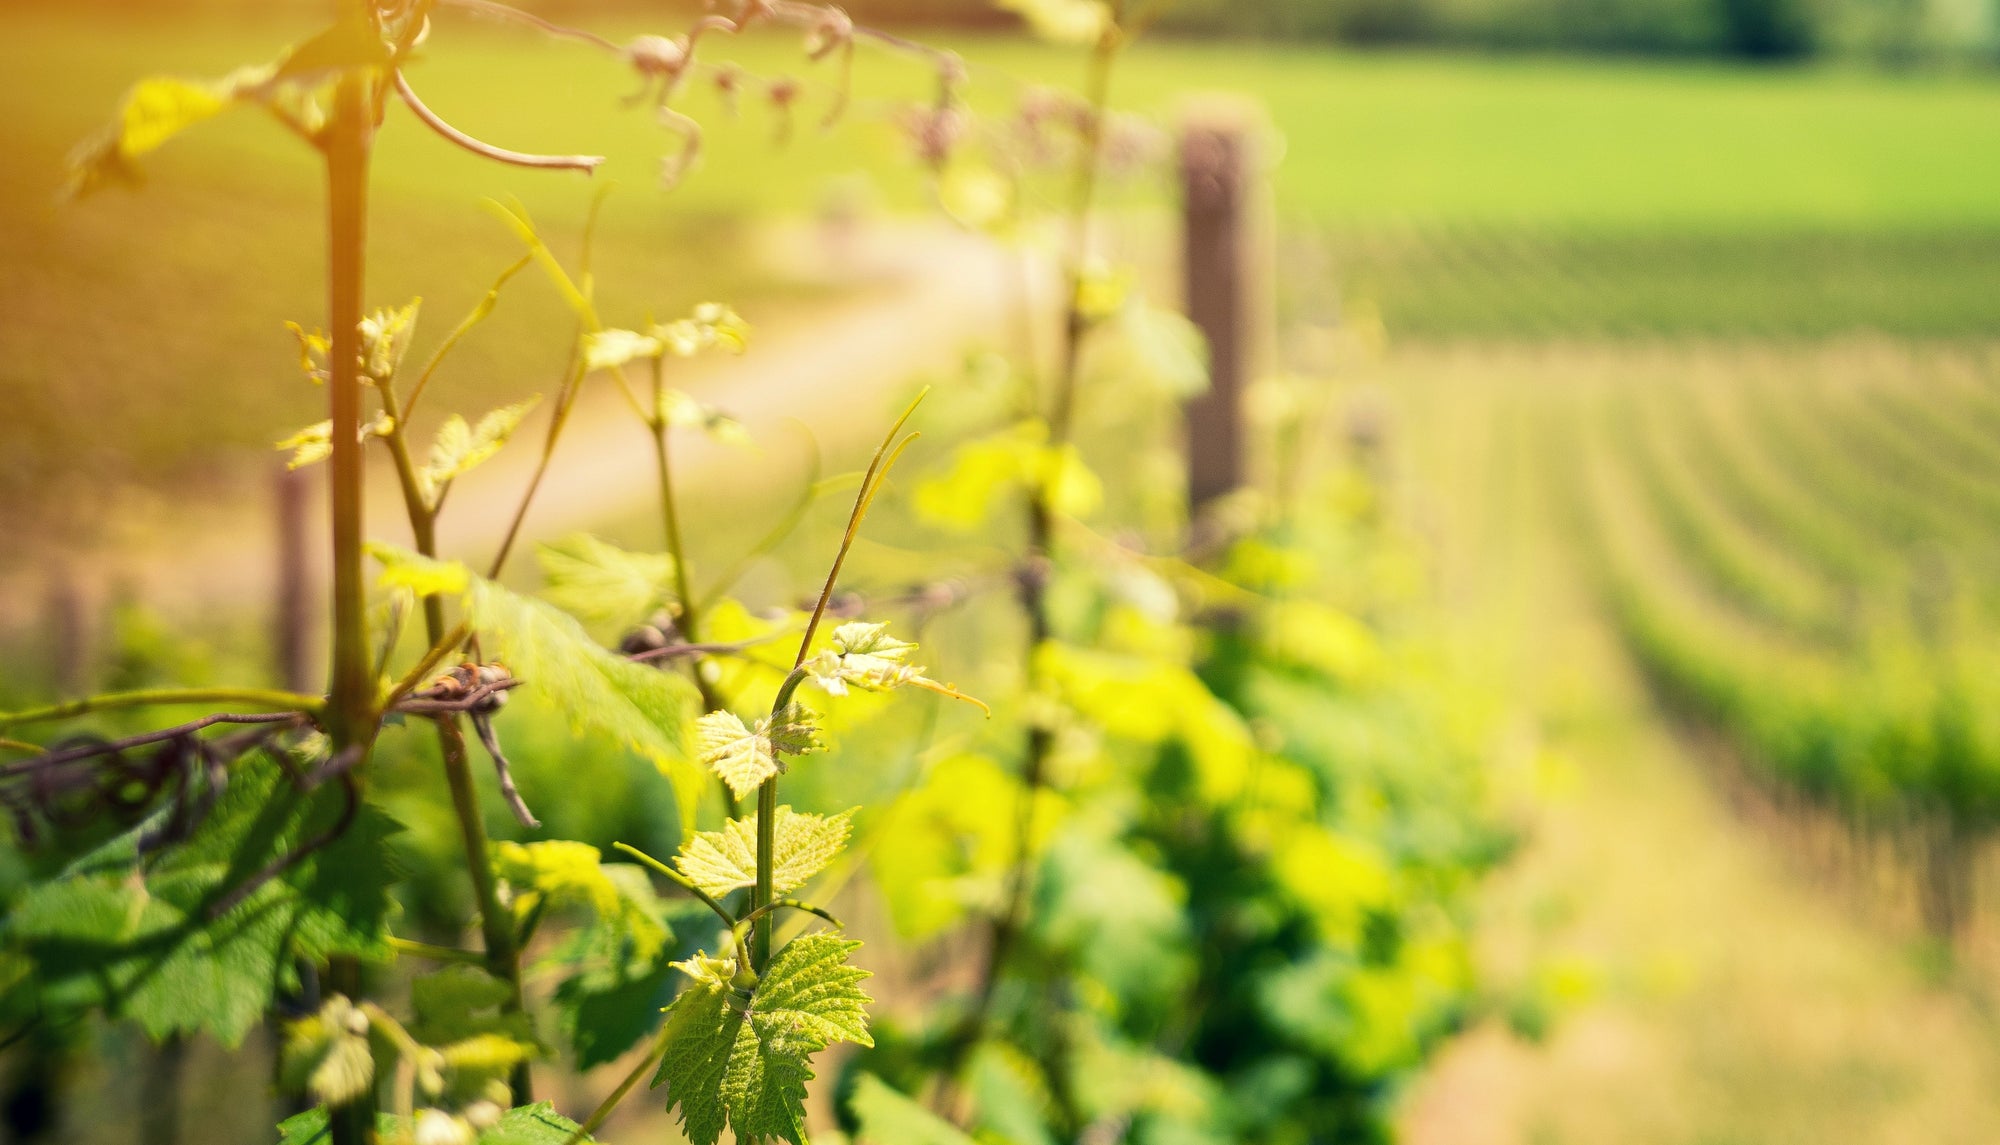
(385, 338)
(865, 656)
(422, 575)
(732, 750)
(314, 443)
(605, 349)
(889, 1117)
(987, 471)
(557, 872)
(726, 860)
(599, 581)
(309, 446)
(792, 730)
(154, 111)
(460, 446)
(537, 1124)
(683, 411)
(327, 1056)
(314, 346)
(460, 1002)
(744, 757)
(746, 1065)
(711, 326)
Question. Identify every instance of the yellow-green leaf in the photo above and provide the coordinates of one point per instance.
(604, 349)
(740, 755)
(599, 581)
(425, 576)
(326, 1055)
(802, 846)
(461, 446)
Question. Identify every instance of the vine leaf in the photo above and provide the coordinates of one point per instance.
(314, 443)
(158, 108)
(986, 472)
(743, 756)
(731, 749)
(726, 860)
(419, 574)
(460, 445)
(141, 945)
(746, 1066)
(606, 349)
(385, 338)
(327, 1054)
(153, 111)
(711, 326)
(682, 410)
(314, 349)
(462, 1002)
(865, 656)
(1152, 701)
(604, 1011)
(537, 1124)
(558, 872)
(642, 708)
(598, 581)
(888, 1117)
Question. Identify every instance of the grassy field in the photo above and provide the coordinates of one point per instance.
(1465, 197)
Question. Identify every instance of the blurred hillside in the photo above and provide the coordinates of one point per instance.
(1894, 33)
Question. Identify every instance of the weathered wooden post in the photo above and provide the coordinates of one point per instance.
(1220, 262)
(292, 621)
(67, 620)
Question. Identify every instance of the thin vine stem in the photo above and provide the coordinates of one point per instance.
(646, 1065)
(281, 701)
(689, 620)
(886, 454)
(729, 921)
(431, 119)
(435, 952)
(458, 333)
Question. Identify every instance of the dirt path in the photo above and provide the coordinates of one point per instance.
(1717, 995)
(920, 296)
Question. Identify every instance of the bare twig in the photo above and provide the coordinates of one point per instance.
(114, 746)
(420, 705)
(483, 724)
(288, 702)
(508, 12)
(678, 651)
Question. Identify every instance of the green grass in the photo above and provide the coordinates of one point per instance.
(1465, 196)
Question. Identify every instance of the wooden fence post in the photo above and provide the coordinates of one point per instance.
(292, 622)
(69, 634)
(1219, 267)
